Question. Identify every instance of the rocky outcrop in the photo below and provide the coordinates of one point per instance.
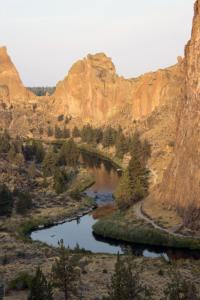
(181, 184)
(94, 93)
(11, 87)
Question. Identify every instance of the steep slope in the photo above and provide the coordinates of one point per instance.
(11, 87)
(94, 93)
(181, 184)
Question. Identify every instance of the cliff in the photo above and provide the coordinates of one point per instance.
(93, 92)
(11, 87)
(181, 184)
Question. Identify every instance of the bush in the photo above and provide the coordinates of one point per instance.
(60, 118)
(6, 201)
(23, 201)
(21, 282)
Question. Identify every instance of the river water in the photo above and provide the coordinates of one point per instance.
(80, 231)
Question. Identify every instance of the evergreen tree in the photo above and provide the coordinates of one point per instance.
(12, 153)
(6, 201)
(66, 133)
(97, 135)
(121, 145)
(139, 176)
(69, 153)
(87, 134)
(180, 289)
(49, 163)
(76, 132)
(58, 132)
(4, 142)
(60, 181)
(64, 272)
(126, 283)
(124, 193)
(23, 201)
(40, 288)
(50, 132)
(109, 136)
(34, 150)
(135, 145)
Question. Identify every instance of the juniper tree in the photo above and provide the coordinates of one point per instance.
(6, 201)
(126, 283)
(40, 288)
(64, 273)
(180, 288)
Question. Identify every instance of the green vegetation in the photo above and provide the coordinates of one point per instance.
(34, 150)
(69, 154)
(76, 132)
(134, 183)
(121, 226)
(22, 281)
(180, 289)
(42, 91)
(23, 201)
(61, 179)
(63, 133)
(65, 274)
(126, 283)
(6, 201)
(40, 288)
(4, 142)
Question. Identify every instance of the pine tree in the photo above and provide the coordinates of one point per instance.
(180, 289)
(121, 145)
(64, 273)
(12, 153)
(126, 283)
(40, 288)
(66, 133)
(4, 142)
(60, 181)
(76, 132)
(6, 201)
(117, 281)
(109, 136)
(139, 176)
(58, 132)
(23, 201)
(124, 193)
(69, 154)
(50, 132)
(49, 163)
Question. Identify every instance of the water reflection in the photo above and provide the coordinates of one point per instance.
(80, 230)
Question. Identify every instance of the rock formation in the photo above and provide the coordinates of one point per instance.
(11, 87)
(94, 93)
(181, 184)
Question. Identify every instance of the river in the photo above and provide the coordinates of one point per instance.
(80, 232)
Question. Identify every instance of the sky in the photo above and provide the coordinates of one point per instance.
(45, 37)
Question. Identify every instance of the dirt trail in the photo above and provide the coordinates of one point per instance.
(139, 213)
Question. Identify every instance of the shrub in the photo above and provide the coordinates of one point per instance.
(21, 282)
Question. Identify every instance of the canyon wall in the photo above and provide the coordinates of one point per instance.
(93, 92)
(181, 184)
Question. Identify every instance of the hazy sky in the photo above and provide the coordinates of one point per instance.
(45, 37)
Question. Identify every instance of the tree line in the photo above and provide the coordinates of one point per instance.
(134, 183)
(31, 156)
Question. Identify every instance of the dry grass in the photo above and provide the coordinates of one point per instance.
(104, 211)
(161, 214)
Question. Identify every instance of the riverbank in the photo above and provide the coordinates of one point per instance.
(125, 226)
(106, 156)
